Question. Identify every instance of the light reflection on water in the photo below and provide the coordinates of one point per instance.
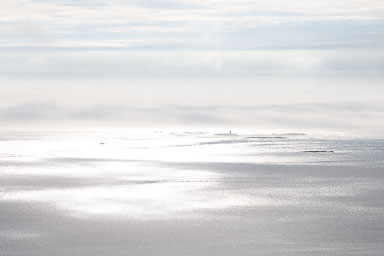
(274, 185)
(143, 176)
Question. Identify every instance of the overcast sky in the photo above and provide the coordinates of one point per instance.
(286, 65)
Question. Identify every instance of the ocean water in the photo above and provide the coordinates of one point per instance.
(190, 193)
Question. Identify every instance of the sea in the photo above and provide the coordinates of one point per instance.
(164, 192)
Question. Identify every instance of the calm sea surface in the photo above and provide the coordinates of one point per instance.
(190, 193)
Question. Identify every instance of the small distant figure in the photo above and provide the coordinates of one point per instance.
(230, 132)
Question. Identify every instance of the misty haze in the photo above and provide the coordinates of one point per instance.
(217, 127)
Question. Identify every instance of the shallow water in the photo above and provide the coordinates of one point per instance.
(184, 193)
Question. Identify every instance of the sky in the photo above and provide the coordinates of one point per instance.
(264, 65)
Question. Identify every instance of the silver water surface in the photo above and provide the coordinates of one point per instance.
(184, 193)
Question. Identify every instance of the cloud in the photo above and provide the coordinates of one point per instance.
(36, 61)
(123, 63)
(31, 112)
(333, 116)
(126, 41)
(191, 24)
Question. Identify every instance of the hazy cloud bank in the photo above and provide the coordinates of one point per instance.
(321, 117)
(229, 24)
(146, 62)
(192, 63)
